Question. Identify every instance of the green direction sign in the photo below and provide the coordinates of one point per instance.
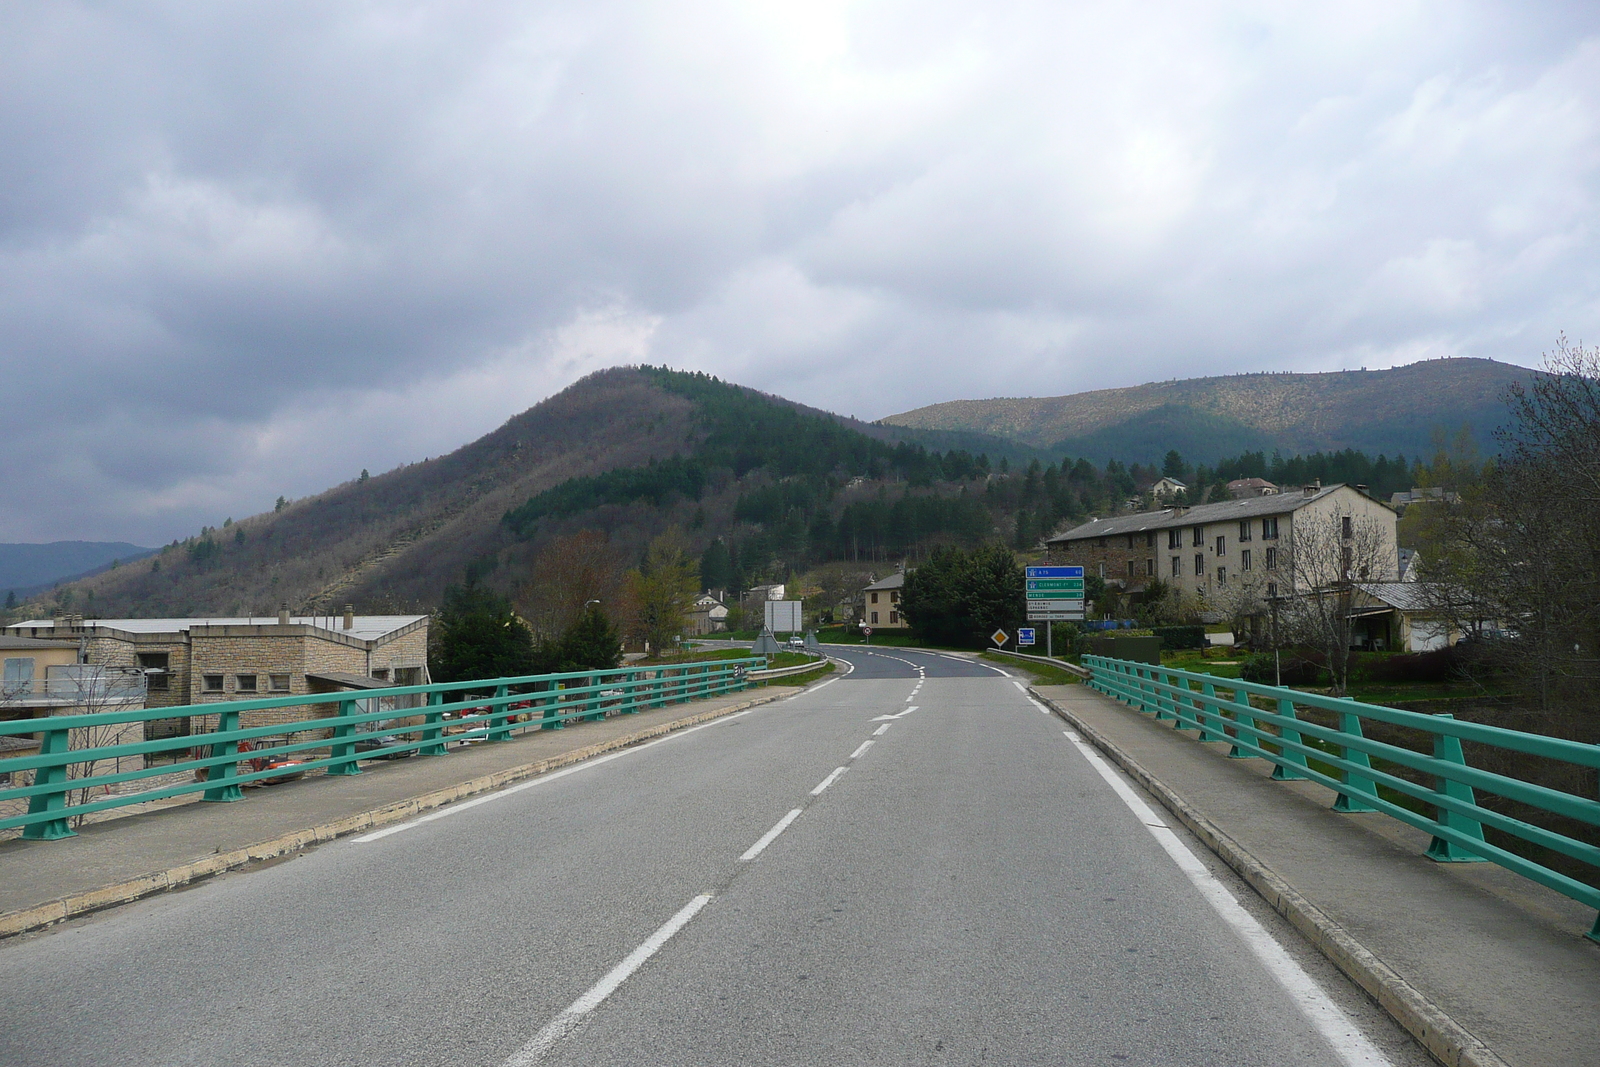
(1040, 585)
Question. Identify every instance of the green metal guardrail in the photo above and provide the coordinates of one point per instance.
(490, 709)
(1301, 749)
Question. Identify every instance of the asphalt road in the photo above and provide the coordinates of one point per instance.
(908, 865)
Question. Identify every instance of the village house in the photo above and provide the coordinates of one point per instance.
(707, 615)
(1240, 488)
(1406, 617)
(880, 603)
(1206, 549)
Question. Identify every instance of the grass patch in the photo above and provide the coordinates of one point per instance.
(805, 678)
(1040, 673)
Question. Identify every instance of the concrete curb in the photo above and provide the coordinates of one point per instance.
(68, 907)
(1445, 1039)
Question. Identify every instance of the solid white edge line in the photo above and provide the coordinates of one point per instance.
(467, 805)
(826, 782)
(770, 836)
(1019, 685)
(880, 731)
(864, 746)
(824, 685)
(1330, 1021)
(563, 1024)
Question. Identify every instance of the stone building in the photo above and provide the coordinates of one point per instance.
(1211, 548)
(880, 603)
(194, 662)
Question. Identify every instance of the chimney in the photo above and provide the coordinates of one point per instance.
(1310, 490)
(349, 616)
(283, 615)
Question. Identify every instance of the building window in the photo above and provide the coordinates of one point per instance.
(1130, 540)
(279, 683)
(1150, 568)
(154, 665)
(1269, 529)
(1198, 536)
(1272, 588)
(1272, 559)
(1102, 570)
(1150, 539)
(1174, 538)
(874, 618)
(245, 683)
(894, 596)
(1222, 576)
(1346, 527)
(1130, 568)
(894, 616)
(1199, 565)
(874, 598)
(1177, 566)
(1222, 546)
(1244, 530)
(1244, 559)
(381, 674)
(211, 683)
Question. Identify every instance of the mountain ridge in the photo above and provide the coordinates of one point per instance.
(1392, 410)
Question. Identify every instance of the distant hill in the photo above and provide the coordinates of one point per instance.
(628, 451)
(1383, 411)
(25, 568)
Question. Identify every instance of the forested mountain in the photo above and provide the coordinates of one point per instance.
(26, 568)
(758, 487)
(1206, 419)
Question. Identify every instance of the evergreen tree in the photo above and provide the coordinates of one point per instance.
(477, 635)
(589, 644)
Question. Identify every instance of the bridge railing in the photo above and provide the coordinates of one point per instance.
(78, 769)
(1364, 771)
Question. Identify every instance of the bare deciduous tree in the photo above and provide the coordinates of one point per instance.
(1326, 553)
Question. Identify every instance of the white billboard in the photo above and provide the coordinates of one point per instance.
(783, 616)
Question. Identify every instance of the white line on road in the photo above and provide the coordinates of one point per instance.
(824, 685)
(899, 715)
(563, 1024)
(880, 731)
(769, 837)
(1334, 1025)
(826, 782)
(864, 746)
(1019, 685)
(468, 805)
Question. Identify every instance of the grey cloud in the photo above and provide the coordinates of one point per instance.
(252, 249)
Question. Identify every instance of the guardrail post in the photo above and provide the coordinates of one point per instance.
(552, 711)
(1350, 723)
(1241, 720)
(433, 728)
(500, 725)
(630, 698)
(596, 682)
(54, 743)
(1447, 749)
(1288, 758)
(1184, 708)
(1166, 703)
(224, 789)
(1210, 714)
(342, 748)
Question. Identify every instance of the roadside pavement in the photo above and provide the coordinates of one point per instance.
(113, 862)
(1482, 966)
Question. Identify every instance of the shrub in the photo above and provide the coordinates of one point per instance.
(1181, 636)
(1290, 670)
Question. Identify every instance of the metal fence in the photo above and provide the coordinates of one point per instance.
(1366, 772)
(69, 769)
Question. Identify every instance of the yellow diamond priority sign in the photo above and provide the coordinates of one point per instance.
(999, 637)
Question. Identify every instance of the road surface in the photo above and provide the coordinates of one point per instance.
(910, 864)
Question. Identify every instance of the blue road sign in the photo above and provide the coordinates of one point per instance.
(1024, 635)
(1054, 572)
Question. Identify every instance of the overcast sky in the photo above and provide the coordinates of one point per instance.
(251, 249)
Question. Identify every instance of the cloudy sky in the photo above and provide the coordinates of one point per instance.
(250, 249)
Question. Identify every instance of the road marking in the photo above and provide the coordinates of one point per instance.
(826, 782)
(501, 794)
(864, 746)
(880, 731)
(1333, 1024)
(563, 1024)
(824, 685)
(901, 715)
(769, 837)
